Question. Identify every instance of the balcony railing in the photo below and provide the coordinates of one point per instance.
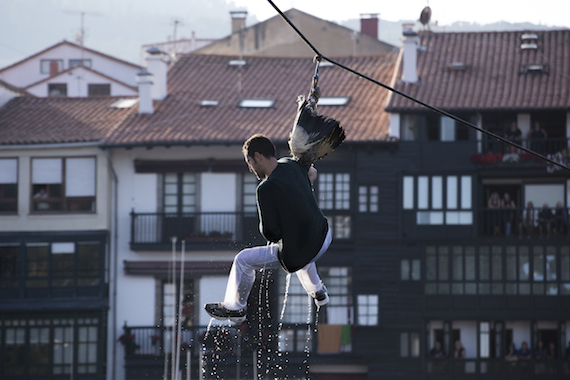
(155, 230)
(524, 223)
(532, 368)
(542, 146)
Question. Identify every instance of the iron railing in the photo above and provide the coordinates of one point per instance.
(449, 368)
(195, 228)
(524, 222)
(543, 146)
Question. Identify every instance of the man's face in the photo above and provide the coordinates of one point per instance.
(254, 166)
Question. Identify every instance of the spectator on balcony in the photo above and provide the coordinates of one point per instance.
(559, 220)
(545, 220)
(509, 207)
(512, 354)
(528, 220)
(536, 136)
(551, 353)
(494, 205)
(513, 134)
(540, 352)
(459, 351)
(436, 352)
(524, 353)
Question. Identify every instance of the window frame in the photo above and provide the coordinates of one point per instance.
(77, 62)
(63, 199)
(3, 186)
(43, 66)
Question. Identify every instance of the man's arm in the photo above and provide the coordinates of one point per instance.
(269, 224)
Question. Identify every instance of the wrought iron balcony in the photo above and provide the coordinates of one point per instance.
(524, 223)
(206, 230)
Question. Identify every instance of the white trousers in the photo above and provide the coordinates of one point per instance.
(249, 260)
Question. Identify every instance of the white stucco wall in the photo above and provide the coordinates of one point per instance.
(6, 95)
(78, 81)
(135, 303)
(28, 72)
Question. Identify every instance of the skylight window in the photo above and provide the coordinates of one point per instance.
(529, 36)
(125, 103)
(209, 103)
(256, 103)
(526, 46)
(237, 62)
(325, 64)
(333, 101)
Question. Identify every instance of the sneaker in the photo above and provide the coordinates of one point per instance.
(219, 311)
(321, 297)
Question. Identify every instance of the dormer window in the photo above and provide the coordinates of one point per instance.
(334, 101)
(256, 103)
(80, 62)
(534, 69)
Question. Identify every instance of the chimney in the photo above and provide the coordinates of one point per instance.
(157, 65)
(238, 20)
(144, 80)
(369, 24)
(411, 42)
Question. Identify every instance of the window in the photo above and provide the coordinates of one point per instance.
(63, 184)
(334, 194)
(496, 270)
(80, 62)
(43, 269)
(334, 101)
(8, 185)
(249, 185)
(179, 192)
(51, 66)
(409, 127)
(410, 270)
(49, 346)
(367, 309)
(339, 284)
(368, 198)
(98, 89)
(442, 200)
(409, 345)
(57, 89)
(256, 103)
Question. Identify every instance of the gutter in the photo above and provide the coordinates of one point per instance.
(114, 253)
(52, 146)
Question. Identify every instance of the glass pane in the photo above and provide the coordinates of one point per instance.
(415, 345)
(524, 289)
(550, 267)
(443, 288)
(189, 188)
(497, 264)
(457, 264)
(436, 192)
(524, 265)
(564, 264)
(452, 192)
(470, 263)
(170, 200)
(423, 192)
(408, 193)
(511, 289)
(443, 265)
(405, 269)
(404, 348)
(484, 264)
(466, 192)
(511, 264)
(170, 178)
(470, 288)
(416, 270)
(430, 267)
(457, 288)
(538, 264)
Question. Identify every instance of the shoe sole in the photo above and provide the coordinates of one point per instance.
(233, 319)
(323, 302)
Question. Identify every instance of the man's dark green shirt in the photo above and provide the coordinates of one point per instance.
(289, 214)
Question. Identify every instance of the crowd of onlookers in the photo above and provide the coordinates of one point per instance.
(505, 219)
(541, 352)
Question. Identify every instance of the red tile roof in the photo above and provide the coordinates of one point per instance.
(30, 120)
(180, 119)
(494, 77)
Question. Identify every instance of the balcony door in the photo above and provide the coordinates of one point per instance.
(179, 205)
(218, 203)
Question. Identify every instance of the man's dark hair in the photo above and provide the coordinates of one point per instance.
(258, 143)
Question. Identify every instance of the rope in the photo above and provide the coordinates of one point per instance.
(435, 109)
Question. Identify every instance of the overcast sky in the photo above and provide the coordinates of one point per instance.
(120, 27)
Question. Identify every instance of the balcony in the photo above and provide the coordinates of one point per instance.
(537, 223)
(226, 351)
(207, 230)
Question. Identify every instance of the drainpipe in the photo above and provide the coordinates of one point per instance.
(115, 263)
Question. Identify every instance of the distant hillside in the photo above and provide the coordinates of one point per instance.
(391, 31)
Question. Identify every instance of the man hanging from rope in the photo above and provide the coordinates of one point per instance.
(290, 218)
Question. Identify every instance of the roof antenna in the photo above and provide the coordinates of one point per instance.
(174, 53)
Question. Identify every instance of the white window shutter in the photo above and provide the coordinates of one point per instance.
(80, 177)
(9, 171)
(46, 171)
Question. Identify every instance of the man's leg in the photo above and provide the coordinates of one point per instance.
(242, 274)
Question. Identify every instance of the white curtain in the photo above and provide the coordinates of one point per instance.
(46, 171)
(9, 171)
(80, 177)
